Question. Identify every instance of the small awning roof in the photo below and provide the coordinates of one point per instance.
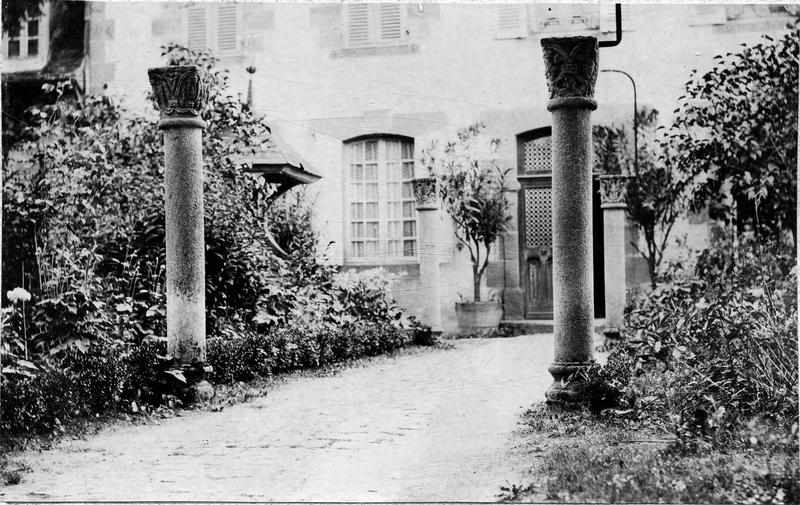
(62, 66)
(280, 164)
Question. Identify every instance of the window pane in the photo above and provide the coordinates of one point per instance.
(371, 151)
(371, 248)
(371, 172)
(357, 210)
(358, 230)
(13, 48)
(358, 249)
(33, 28)
(33, 48)
(395, 248)
(371, 211)
(394, 229)
(408, 209)
(393, 171)
(392, 190)
(14, 32)
(409, 247)
(372, 230)
(408, 151)
(409, 229)
(408, 190)
(408, 170)
(356, 151)
(357, 172)
(394, 210)
(392, 150)
(371, 191)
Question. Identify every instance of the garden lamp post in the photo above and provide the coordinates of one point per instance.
(635, 119)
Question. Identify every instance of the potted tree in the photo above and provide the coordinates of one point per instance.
(471, 192)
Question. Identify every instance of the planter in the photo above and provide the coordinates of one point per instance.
(478, 316)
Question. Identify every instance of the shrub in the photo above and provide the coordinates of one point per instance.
(708, 352)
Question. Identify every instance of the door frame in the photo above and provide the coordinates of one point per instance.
(543, 178)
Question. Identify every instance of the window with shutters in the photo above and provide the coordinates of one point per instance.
(512, 21)
(374, 24)
(216, 27)
(381, 210)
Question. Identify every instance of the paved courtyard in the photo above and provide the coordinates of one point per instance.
(432, 426)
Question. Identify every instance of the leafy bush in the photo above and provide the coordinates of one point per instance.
(734, 138)
(707, 352)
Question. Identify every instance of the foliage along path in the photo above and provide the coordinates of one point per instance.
(428, 426)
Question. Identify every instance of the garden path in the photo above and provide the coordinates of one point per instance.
(429, 426)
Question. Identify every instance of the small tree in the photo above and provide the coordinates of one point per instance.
(734, 139)
(472, 194)
(653, 196)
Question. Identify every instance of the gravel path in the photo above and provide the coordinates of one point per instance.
(428, 427)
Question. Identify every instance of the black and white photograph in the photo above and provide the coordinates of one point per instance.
(399, 252)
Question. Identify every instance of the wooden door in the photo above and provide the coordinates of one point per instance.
(536, 227)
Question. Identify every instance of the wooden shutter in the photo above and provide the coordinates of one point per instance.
(357, 22)
(390, 23)
(227, 28)
(512, 21)
(196, 27)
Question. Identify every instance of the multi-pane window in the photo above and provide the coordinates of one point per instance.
(374, 24)
(24, 41)
(381, 207)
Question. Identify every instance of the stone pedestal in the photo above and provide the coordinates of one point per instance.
(425, 192)
(612, 196)
(513, 296)
(180, 92)
(571, 69)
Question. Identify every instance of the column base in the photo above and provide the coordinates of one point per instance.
(569, 388)
(196, 389)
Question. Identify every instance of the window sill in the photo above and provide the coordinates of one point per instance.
(375, 50)
(399, 266)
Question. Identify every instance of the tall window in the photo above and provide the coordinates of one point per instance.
(216, 26)
(381, 207)
(374, 24)
(25, 41)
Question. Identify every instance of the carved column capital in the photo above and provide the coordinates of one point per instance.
(571, 70)
(179, 91)
(612, 191)
(425, 192)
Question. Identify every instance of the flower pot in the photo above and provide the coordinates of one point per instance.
(478, 316)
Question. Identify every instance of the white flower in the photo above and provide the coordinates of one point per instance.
(17, 294)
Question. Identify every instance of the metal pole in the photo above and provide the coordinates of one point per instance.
(635, 120)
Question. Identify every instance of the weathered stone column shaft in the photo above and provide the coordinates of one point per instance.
(571, 69)
(573, 285)
(180, 92)
(186, 273)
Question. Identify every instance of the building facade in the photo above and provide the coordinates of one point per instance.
(360, 89)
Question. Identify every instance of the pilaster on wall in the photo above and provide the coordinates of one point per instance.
(513, 297)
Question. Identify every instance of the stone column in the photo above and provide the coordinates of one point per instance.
(513, 296)
(180, 92)
(571, 70)
(427, 231)
(612, 197)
